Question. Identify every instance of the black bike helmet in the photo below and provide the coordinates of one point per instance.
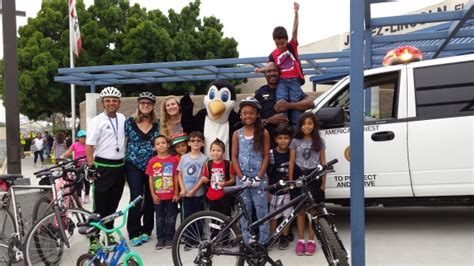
(250, 100)
(146, 95)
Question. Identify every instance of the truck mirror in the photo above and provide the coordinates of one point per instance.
(330, 117)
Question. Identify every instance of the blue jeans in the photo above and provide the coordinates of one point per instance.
(255, 196)
(138, 183)
(165, 213)
(290, 90)
(191, 205)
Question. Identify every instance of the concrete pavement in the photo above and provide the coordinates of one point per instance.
(394, 236)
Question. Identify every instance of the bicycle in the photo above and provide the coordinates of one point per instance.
(65, 189)
(12, 226)
(213, 236)
(109, 255)
(46, 241)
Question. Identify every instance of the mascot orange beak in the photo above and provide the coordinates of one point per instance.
(217, 108)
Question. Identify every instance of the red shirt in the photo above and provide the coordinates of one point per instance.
(163, 171)
(215, 192)
(287, 64)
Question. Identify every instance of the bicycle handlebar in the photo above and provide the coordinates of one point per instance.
(300, 181)
(62, 164)
(123, 212)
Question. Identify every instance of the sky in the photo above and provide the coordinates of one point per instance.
(251, 22)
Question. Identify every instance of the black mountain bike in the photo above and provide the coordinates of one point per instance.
(211, 238)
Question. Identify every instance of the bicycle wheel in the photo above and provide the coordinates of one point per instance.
(44, 246)
(42, 207)
(192, 241)
(7, 232)
(335, 253)
(86, 259)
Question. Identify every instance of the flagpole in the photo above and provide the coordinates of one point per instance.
(73, 86)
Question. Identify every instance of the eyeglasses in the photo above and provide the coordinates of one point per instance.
(195, 140)
(146, 103)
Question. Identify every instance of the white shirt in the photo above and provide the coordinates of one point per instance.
(107, 134)
(39, 143)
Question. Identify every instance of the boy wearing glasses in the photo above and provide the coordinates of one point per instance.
(189, 173)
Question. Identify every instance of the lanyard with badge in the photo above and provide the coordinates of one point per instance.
(116, 128)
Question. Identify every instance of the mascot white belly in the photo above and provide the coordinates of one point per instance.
(214, 130)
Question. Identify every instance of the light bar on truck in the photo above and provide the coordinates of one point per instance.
(402, 55)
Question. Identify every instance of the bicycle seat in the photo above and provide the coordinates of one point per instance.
(234, 190)
(10, 177)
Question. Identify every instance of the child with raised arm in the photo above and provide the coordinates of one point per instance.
(250, 146)
(287, 59)
(162, 170)
(189, 173)
(307, 151)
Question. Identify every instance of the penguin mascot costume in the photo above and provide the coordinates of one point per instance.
(217, 120)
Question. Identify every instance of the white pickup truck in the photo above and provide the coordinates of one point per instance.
(418, 140)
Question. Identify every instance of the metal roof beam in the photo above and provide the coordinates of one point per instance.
(417, 18)
(216, 70)
(420, 36)
(455, 27)
(430, 48)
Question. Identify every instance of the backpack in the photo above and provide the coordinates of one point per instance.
(292, 52)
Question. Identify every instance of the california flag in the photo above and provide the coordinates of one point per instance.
(74, 28)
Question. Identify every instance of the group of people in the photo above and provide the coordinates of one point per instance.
(167, 166)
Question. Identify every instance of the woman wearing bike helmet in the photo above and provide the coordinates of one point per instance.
(140, 130)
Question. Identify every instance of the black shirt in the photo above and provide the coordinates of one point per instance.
(266, 96)
(278, 167)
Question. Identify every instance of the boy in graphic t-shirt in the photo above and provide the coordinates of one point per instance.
(162, 170)
(218, 173)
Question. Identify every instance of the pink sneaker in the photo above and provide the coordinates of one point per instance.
(310, 248)
(300, 248)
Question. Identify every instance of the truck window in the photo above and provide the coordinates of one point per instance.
(444, 90)
(380, 94)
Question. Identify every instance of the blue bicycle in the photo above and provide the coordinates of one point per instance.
(109, 255)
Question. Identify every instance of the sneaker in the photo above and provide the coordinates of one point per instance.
(300, 248)
(169, 244)
(85, 199)
(310, 248)
(160, 245)
(187, 247)
(112, 240)
(136, 241)
(93, 246)
(144, 238)
(284, 243)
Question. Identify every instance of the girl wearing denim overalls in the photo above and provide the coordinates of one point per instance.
(250, 157)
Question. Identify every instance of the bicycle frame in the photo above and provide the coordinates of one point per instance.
(299, 204)
(122, 247)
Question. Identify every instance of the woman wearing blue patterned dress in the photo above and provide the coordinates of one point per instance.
(140, 130)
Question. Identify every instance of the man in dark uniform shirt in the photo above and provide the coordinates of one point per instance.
(271, 112)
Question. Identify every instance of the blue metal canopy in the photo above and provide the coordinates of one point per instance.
(454, 37)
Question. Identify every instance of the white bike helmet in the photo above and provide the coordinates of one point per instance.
(110, 92)
(146, 95)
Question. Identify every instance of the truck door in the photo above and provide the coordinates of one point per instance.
(441, 133)
(385, 138)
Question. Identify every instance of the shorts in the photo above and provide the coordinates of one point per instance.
(277, 201)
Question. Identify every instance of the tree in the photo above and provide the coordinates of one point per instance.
(113, 32)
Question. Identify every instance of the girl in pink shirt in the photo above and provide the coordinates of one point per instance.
(78, 150)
